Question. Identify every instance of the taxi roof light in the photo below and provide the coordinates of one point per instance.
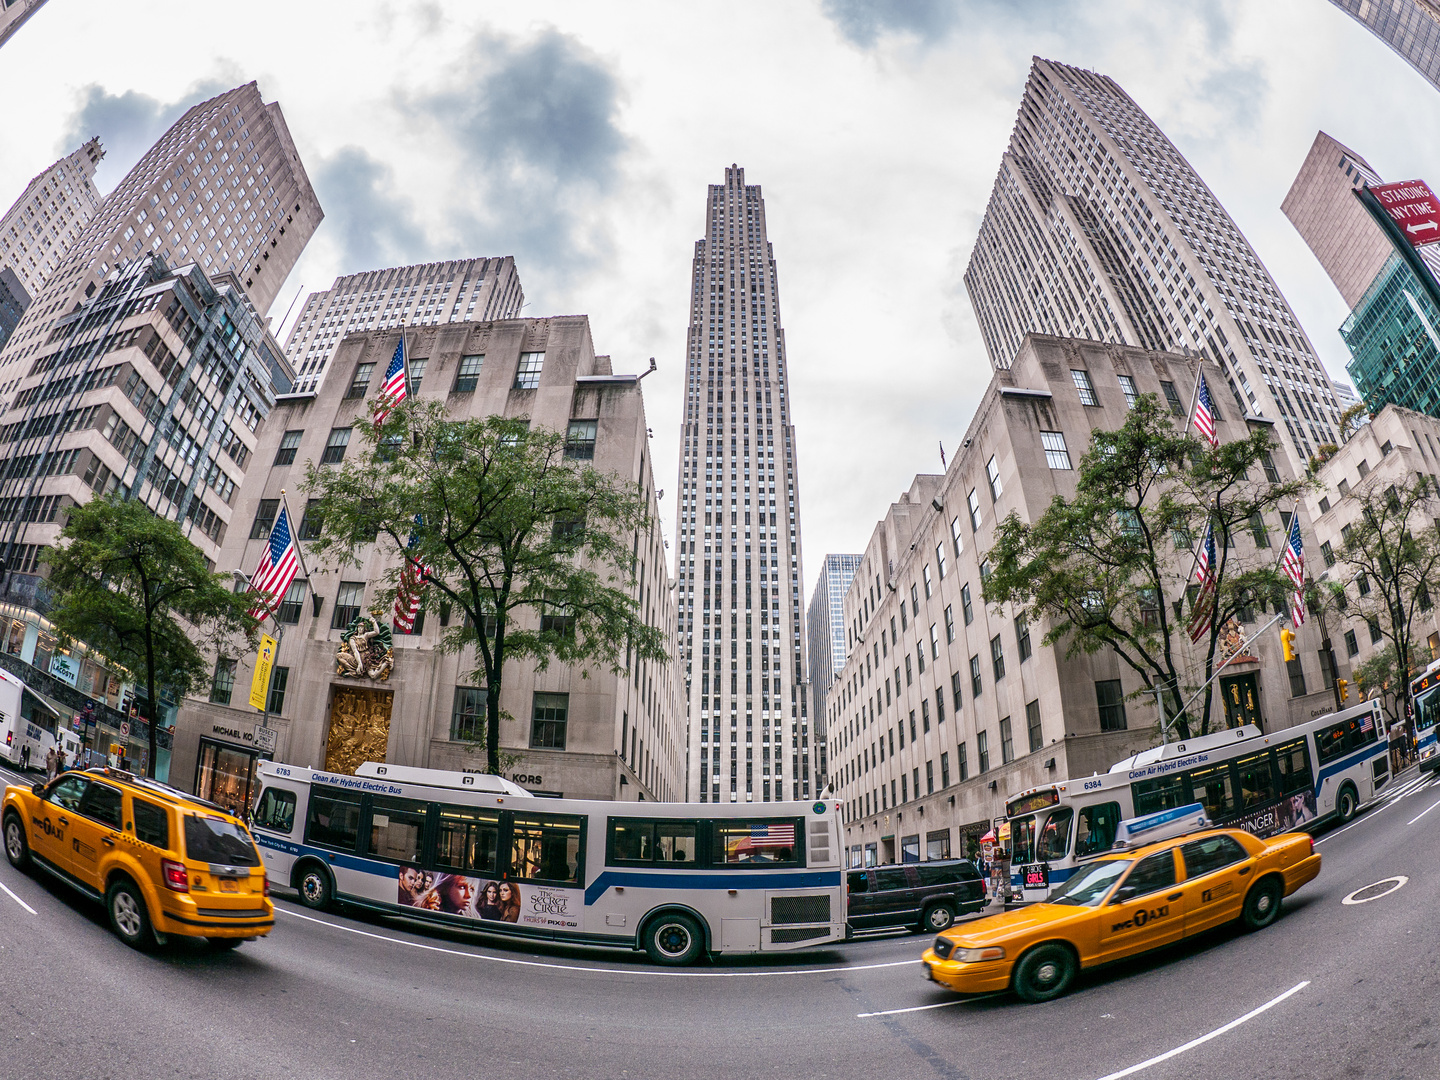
(1162, 825)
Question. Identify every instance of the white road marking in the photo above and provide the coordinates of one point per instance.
(17, 899)
(1400, 881)
(922, 1008)
(1422, 813)
(1369, 814)
(597, 970)
(1231, 1026)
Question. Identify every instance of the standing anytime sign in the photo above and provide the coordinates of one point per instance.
(1413, 207)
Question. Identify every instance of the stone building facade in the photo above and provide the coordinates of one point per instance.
(946, 705)
(48, 216)
(622, 736)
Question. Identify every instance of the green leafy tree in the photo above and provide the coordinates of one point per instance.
(1381, 673)
(1102, 567)
(131, 586)
(1392, 547)
(534, 549)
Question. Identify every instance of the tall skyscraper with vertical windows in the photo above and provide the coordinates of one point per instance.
(738, 533)
(46, 219)
(825, 633)
(1098, 228)
(458, 290)
(1410, 27)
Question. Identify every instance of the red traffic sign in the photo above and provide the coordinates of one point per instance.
(1413, 207)
(125, 728)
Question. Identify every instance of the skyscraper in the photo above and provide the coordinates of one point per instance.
(460, 290)
(45, 220)
(223, 188)
(738, 534)
(825, 631)
(1098, 228)
(1410, 27)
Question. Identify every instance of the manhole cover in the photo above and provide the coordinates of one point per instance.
(1381, 888)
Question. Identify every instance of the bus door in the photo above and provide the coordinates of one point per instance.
(1052, 845)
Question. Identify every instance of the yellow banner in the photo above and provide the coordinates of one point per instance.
(264, 661)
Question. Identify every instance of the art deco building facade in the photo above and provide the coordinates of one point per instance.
(601, 737)
(826, 644)
(1410, 27)
(47, 218)
(460, 290)
(224, 188)
(948, 705)
(1098, 228)
(738, 534)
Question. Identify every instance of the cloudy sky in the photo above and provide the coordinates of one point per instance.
(580, 137)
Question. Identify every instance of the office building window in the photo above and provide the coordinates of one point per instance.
(1111, 700)
(279, 679)
(974, 502)
(962, 761)
(1172, 398)
(467, 715)
(967, 609)
(547, 729)
(997, 657)
(982, 747)
(992, 474)
(1056, 455)
(955, 536)
(527, 375)
(975, 686)
(580, 440)
(335, 445)
(1083, 386)
(1032, 725)
(1022, 637)
(945, 768)
(349, 597)
(292, 602)
(222, 683)
(311, 521)
(360, 382)
(289, 443)
(417, 372)
(949, 622)
(1352, 647)
(1007, 742)
(264, 518)
(467, 375)
(1127, 384)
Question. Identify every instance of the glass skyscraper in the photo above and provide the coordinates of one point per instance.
(825, 631)
(1394, 340)
(738, 536)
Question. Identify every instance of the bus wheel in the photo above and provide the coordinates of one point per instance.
(1044, 973)
(17, 850)
(1346, 804)
(315, 888)
(673, 939)
(1262, 904)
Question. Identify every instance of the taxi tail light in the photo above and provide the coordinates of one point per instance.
(1312, 843)
(177, 879)
(265, 884)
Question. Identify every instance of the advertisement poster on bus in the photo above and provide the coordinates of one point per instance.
(1287, 815)
(488, 900)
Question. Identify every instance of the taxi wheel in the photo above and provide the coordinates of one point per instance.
(17, 849)
(1044, 973)
(674, 940)
(315, 888)
(1262, 904)
(128, 917)
(937, 918)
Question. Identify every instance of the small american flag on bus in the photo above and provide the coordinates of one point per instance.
(772, 835)
(1368, 724)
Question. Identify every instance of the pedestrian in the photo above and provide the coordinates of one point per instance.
(25, 757)
(50, 764)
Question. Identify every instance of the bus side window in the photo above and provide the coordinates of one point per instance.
(1293, 762)
(1330, 743)
(1096, 831)
(675, 842)
(545, 847)
(1257, 781)
(334, 819)
(632, 840)
(1165, 793)
(468, 838)
(276, 810)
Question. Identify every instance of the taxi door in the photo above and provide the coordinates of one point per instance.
(1217, 872)
(54, 819)
(1145, 911)
(94, 832)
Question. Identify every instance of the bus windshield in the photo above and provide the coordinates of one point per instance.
(1427, 709)
(1087, 887)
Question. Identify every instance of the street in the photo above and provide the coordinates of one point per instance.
(1351, 990)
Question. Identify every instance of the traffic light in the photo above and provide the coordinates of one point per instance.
(1287, 644)
(1344, 687)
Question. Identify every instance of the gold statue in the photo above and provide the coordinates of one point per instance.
(366, 648)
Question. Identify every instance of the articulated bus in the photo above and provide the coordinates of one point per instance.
(26, 720)
(1298, 778)
(677, 880)
(1425, 693)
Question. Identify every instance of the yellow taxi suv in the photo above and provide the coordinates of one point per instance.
(1143, 895)
(161, 861)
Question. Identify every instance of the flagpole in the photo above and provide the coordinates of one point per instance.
(275, 614)
(1194, 395)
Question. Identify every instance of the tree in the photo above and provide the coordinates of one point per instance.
(131, 586)
(1102, 566)
(535, 550)
(1391, 556)
(1381, 673)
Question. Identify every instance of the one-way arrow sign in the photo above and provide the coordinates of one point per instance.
(1413, 206)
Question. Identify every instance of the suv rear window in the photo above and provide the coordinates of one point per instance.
(214, 840)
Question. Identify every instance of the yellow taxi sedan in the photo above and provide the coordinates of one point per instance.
(1123, 904)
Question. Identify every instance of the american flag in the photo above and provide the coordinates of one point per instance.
(1293, 562)
(1205, 575)
(1368, 723)
(772, 835)
(1205, 413)
(413, 577)
(395, 386)
(277, 568)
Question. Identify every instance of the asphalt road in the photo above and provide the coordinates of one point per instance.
(351, 997)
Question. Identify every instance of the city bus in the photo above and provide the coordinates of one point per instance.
(1425, 693)
(1299, 778)
(27, 721)
(677, 880)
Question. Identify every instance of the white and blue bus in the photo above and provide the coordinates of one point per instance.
(1298, 778)
(677, 880)
(1425, 695)
(29, 723)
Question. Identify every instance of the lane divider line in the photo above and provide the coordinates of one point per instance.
(577, 967)
(1193, 1043)
(938, 1005)
(1422, 813)
(17, 899)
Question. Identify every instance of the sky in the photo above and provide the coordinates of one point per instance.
(580, 138)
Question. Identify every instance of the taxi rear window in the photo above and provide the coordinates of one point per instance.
(152, 824)
(214, 840)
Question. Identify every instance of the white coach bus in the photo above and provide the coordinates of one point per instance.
(39, 730)
(1297, 778)
(677, 880)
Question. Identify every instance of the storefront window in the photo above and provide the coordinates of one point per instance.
(15, 638)
(225, 775)
(44, 646)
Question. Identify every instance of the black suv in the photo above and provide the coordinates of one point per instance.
(923, 896)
